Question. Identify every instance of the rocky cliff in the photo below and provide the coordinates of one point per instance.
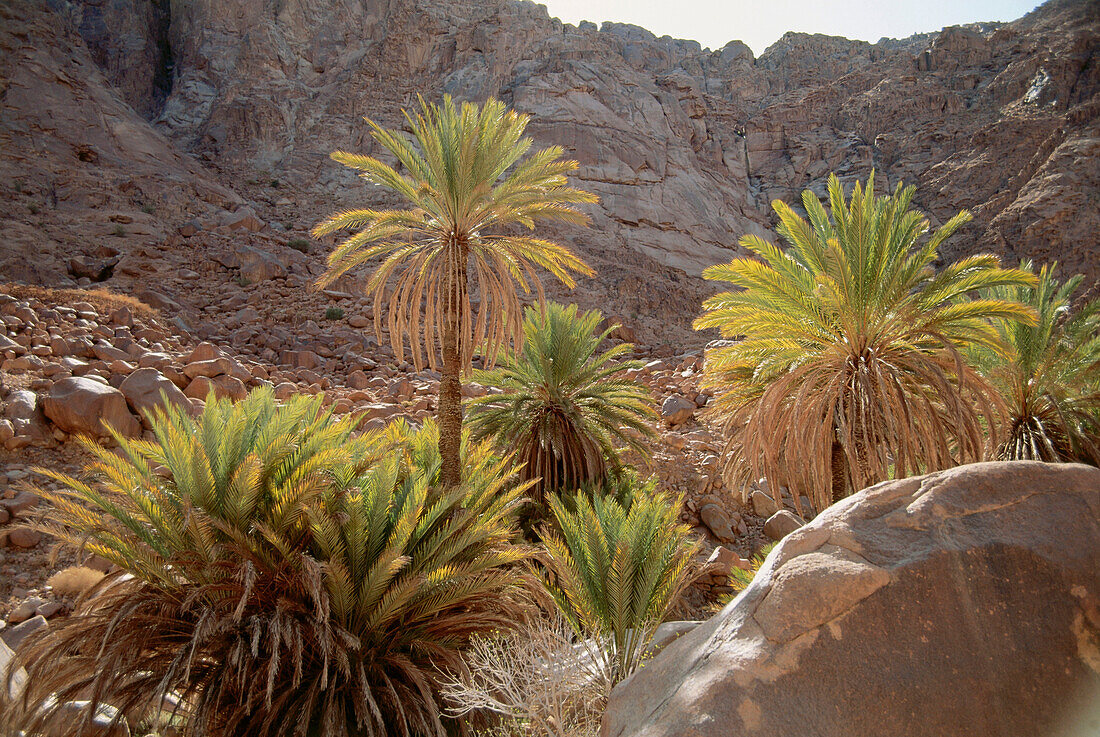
(121, 115)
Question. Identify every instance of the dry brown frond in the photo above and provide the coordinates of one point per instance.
(847, 368)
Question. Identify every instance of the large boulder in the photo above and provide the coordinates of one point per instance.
(964, 602)
(82, 405)
(147, 388)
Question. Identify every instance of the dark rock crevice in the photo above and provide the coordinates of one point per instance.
(130, 43)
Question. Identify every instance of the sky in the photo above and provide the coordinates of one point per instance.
(759, 23)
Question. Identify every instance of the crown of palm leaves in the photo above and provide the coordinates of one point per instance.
(564, 405)
(468, 187)
(850, 335)
(282, 577)
(1048, 373)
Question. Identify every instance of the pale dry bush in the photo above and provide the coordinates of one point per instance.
(74, 581)
(537, 679)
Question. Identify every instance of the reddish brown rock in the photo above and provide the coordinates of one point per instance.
(146, 389)
(82, 405)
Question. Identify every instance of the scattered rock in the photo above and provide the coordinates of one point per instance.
(677, 409)
(25, 610)
(243, 218)
(718, 521)
(14, 636)
(19, 678)
(146, 388)
(210, 368)
(763, 505)
(24, 537)
(781, 524)
(106, 722)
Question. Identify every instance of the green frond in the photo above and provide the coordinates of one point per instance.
(847, 363)
(616, 565)
(470, 180)
(563, 401)
(288, 577)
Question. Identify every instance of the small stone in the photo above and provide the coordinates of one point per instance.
(49, 609)
(23, 537)
(358, 380)
(763, 505)
(677, 409)
(106, 722)
(14, 636)
(22, 502)
(18, 678)
(781, 524)
(203, 352)
(214, 367)
(718, 521)
(25, 610)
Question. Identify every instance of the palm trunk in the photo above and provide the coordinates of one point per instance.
(449, 413)
(838, 464)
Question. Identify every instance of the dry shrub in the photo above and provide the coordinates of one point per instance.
(536, 679)
(74, 581)
(104, 300)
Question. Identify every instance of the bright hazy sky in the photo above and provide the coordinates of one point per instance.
(759, 23)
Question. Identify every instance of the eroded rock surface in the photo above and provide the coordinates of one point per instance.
(965, 602)
(140, 131)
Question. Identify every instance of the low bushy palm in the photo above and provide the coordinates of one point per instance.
(282, 576)
(1048, 373)
(615, 572)
(564, 406)
(847, 368)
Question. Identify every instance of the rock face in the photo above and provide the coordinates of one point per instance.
(965, 602)
(133, 120)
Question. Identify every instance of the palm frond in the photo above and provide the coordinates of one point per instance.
(849, 347)
(284, 576)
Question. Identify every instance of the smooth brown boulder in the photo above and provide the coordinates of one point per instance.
(963, 603)
(147, 388)
(781, 524)
(82, 405)
(677, 409)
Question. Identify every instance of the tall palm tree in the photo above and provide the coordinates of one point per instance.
(564, 406)
(1048, 373)
(467, 186)
(849, 367)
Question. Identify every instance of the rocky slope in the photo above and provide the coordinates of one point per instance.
(149, 114)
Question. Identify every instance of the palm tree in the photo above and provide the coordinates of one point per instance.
(1048, 373)
(848, 369)
(564, 406)
(468, 188)
(615, 571)
(282, 576)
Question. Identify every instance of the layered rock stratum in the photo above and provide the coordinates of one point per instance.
(122, 120)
